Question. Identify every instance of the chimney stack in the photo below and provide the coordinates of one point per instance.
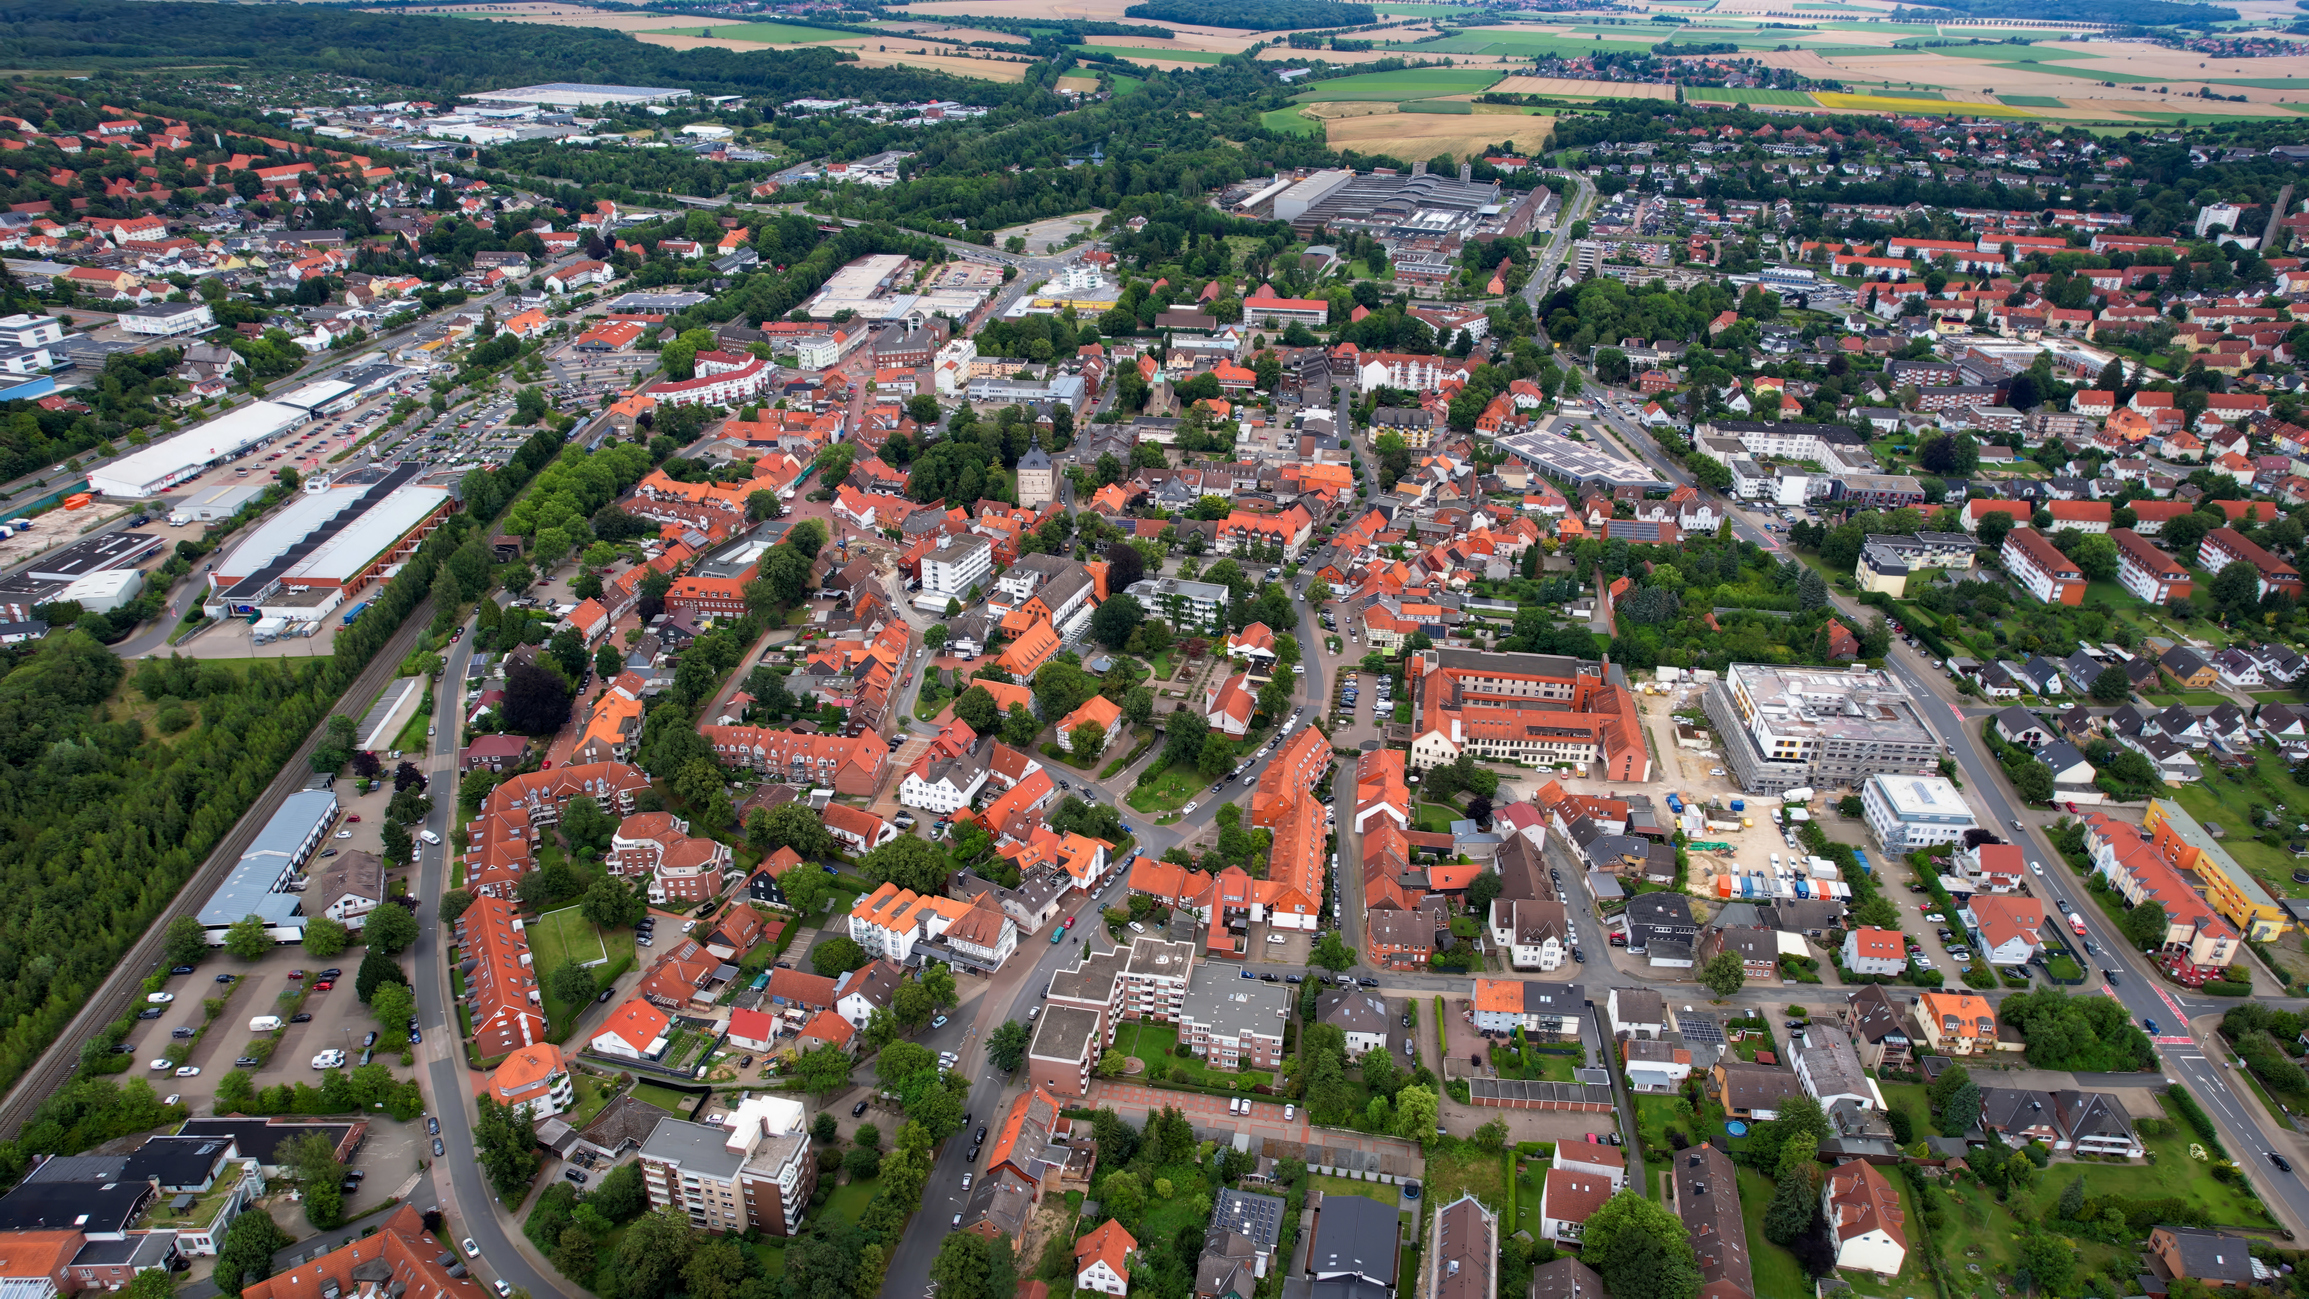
(1466, 172)
(1419, 169)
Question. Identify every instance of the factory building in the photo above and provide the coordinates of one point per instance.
(261, 882)
(329, 544)
(164, 464)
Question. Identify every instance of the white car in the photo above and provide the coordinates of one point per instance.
(161, 998)
(2036, 866)
(471, 1250)
(163, 1066)
(188, 1071)
(1189, 808)
(502, 1288)
(1290, 1112)
(344, 834)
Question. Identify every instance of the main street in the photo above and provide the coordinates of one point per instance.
(471, 1207)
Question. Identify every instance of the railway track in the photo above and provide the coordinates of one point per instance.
(56, 1065)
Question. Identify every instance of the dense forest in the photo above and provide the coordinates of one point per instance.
(442, 57)
(1256, 15)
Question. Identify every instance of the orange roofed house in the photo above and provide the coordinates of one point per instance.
(401, 1260)
(892, 922)
(1541, 709)
(535, 1078)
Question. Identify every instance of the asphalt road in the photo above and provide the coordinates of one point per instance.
(472, 1208)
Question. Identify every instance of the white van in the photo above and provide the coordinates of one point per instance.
(265, 1023)
(429, 837)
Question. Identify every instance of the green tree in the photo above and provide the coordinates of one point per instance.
(1006, 1045)
(246, 1254)
(1089, 740)
(1019, 727)
(313, 1157)
(393, 1005)
(376, 969)
(2146, 925)
(571, 984)
(1640, 1249)
(823, 1069)
(186, 941)
(971, 1266)
(246, 938)
(1961, 1110)
(151, 1283)
(976, 707)
(576, 1255)
(838, 955)
(1331, 953)
(505, 1143)
(390, 929)
(1795, 1195)
(1724, 973)
(790, 825)
(716, 1269)
(650, 1258)
(612, 903)
(907, 862)
(1415, 1111)
(326, 938)
(2111, 686)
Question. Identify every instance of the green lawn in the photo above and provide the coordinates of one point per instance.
(1449, 1173)
(1437, 818)
(1288, 121)
(664, 1098)
(1157, 1044)
(412, 736)
(1408, 83)
(2268, 784)
(1132, 52)
(559, 937)
(849, 1200)
(1776, 1270)
(1169, 790)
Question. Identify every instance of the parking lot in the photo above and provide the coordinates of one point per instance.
(338, 1020)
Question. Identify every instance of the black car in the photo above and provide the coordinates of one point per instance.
(2111, 976)
(371, 1039)
(332, 972)
(972, 1157)
(1368, 983)
(1272, 977)
(979, 1138)
(301, 1017)
(438, 1150)
(149, 1012)
(226, 978)
(2283, 1165)
(1579, 956)
(181, 969)
(432, 1126)
(857, 1109)
(183, 1032)
(574, 1175)
(746, 1062)
(248, 1062)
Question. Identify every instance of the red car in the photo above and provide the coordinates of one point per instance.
(296, 974)
(324, 985)
(351, 820)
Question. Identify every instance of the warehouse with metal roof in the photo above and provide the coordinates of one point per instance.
(258, 883)
(166, 463)
(335, 539)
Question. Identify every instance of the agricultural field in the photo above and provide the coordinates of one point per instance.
(1409, 83)
(1716, 95)
(1156, 57)
(1419, 136)
(1572, 88)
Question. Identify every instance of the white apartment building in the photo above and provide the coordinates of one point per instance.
(949, 572)
(756, 1174)
(1911, 812)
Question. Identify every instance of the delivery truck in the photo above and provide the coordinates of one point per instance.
(265, 1023)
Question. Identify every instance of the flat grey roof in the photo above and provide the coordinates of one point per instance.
(1219, 998)
(248, 890)
(698, 1147)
